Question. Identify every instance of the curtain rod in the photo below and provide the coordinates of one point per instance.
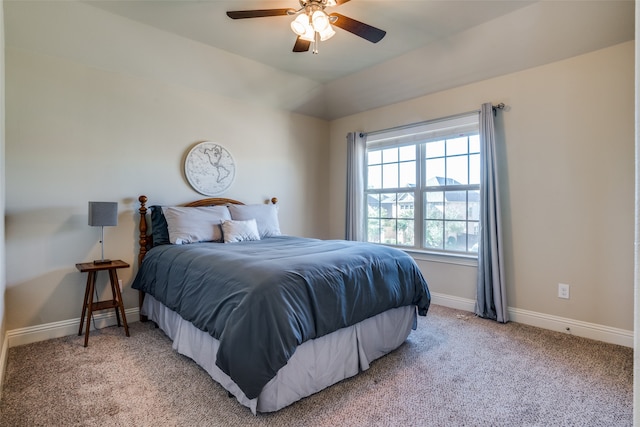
(500, 106)
(495, 108)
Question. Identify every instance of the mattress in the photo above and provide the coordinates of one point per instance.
(315, 365)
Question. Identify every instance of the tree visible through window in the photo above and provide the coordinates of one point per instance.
(424, 193)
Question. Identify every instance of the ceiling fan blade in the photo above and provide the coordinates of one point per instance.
(367, 32)
(339, 2)
(301, 45)
(258, 13)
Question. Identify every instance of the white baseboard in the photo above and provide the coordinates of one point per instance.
(453, 302)
(546, 321)
(573, 327)
(64, 328)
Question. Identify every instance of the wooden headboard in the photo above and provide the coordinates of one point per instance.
(146, 240)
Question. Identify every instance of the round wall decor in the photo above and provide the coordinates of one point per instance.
(209, 168)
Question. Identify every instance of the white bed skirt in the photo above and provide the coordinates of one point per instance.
(315, 365)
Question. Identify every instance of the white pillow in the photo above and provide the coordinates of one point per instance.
(238, 231)
(266, 217)
(195, 224)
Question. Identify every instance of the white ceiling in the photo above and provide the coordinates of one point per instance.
(430, 45)
(409, 25)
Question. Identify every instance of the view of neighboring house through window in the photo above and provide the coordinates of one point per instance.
(422, 186)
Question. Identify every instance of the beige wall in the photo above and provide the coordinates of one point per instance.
(77, 132)
(83, 113)
(567, 172)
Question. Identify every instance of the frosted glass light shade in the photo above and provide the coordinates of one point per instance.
(306, 26)
(309, 36)
(303, 28)
(327, 33)
(320, 21)
(300, 25)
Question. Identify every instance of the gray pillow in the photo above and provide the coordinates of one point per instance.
(266, 217)
(239, 231)
(195, 224)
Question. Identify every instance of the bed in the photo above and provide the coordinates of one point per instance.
(272, 318)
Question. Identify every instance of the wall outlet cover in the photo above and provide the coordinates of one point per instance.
(563, 290)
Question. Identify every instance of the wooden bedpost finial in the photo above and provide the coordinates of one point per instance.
(274, 200)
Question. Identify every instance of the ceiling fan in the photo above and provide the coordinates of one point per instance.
(313, 25)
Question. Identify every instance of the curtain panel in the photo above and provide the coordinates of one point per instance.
(356, 152)
(491, 297)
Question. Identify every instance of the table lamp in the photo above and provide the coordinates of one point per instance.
(103, 214)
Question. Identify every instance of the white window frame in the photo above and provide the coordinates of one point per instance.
(417, 135)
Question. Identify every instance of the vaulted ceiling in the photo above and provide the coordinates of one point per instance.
(430, 45)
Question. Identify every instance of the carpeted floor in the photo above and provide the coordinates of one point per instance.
(455, 370)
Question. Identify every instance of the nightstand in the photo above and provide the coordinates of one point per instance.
(89, 306)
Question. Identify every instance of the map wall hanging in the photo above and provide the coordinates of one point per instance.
(209, 168)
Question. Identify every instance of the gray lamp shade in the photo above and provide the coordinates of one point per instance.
(103, 214)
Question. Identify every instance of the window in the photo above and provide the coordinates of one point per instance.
(422, 186)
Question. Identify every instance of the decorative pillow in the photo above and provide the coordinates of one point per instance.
(195, 224)
(266, 217)
(238, 231)
(159, 230)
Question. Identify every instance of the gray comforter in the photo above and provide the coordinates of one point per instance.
(262, 299)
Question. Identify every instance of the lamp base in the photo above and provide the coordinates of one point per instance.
(102, 261)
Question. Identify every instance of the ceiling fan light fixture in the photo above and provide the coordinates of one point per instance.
(312, 24)
(327, 33)
(320, 21)
(309, 36)
(301, 25)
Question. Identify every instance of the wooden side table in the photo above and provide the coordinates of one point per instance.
(89, 306)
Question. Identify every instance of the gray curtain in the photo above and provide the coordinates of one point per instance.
(491, 293)
(356, 151)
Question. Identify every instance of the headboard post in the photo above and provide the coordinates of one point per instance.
(143, 229)
(142, 246)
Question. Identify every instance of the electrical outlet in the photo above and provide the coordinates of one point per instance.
(563, 290)
(120, 284)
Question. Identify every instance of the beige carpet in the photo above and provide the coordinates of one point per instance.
(455, 370)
